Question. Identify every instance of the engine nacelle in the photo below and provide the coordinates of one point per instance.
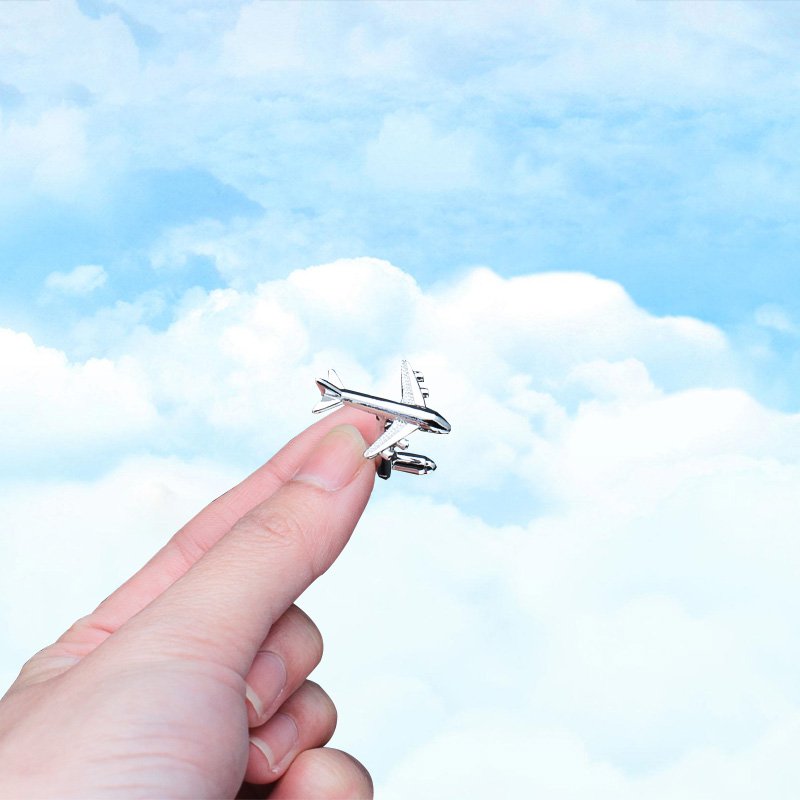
(413, 463)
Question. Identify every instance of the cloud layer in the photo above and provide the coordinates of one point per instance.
(645, 143)
(594, 593)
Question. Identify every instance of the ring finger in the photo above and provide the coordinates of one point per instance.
(306, 720)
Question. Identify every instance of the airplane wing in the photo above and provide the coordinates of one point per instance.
(392, 435)
(411, 390)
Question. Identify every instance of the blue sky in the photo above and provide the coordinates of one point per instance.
(645, 142)
(579, 219)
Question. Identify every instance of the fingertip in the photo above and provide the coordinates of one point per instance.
(327, 774)
(335, 459)
(367, 424)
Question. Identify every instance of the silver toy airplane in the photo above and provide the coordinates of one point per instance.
(401, 419)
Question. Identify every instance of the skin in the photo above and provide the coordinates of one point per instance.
(191, 679)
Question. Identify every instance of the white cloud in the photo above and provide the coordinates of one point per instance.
(641, 643)
(47, 156)
(492, 98)
(274, 37)
(775, 318)
(616, 52)
(506, 757)
(516, 351)
(50, 405)
(631, 634)
(503, 757)
(247, 251)
(315, 40)
(39, 52)
(81, 280)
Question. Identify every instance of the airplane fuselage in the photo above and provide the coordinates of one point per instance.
(426, 418)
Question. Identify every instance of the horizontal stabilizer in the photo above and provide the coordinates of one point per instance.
(331, 397)
(327, 404)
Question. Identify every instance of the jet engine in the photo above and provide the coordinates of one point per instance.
(413, 463)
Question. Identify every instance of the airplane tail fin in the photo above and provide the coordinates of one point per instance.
(331, 395)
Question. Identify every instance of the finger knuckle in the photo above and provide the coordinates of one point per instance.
(90, 625)
(277, 528)
(34, 664)
(277, 525)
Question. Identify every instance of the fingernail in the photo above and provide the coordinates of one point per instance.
(335, 460)
(266, 683)
(276, 740)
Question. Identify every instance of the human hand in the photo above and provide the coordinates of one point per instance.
(192, 676)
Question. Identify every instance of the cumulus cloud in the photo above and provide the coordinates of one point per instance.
(621, 647)
(50, 405)
(594, 593)
(518, 351)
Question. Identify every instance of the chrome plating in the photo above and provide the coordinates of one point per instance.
(401, 419)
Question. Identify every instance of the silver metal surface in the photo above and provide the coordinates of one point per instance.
(402, 419)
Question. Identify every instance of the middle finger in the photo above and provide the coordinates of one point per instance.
(292, 649)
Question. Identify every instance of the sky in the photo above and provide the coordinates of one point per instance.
(577, 219)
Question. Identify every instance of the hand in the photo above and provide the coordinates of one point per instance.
(191, 677)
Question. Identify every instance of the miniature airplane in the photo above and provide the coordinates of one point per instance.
(401, 419)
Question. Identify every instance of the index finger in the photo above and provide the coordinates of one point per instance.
(222, 608)
(195, 538)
